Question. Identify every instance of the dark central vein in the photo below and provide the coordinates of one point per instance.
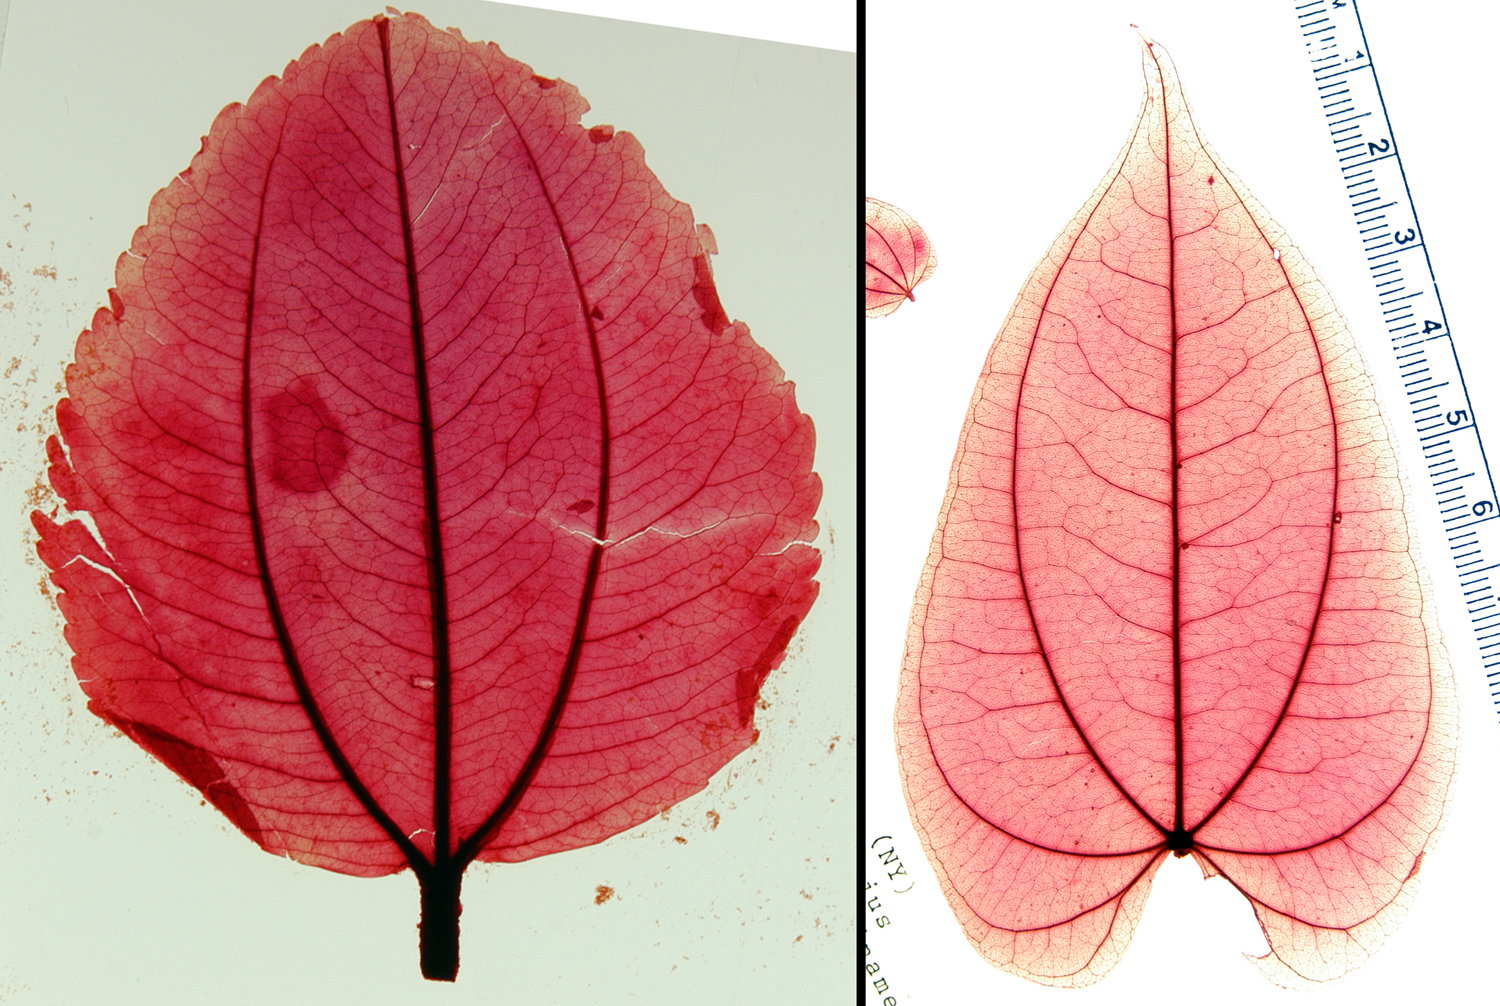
(432, 528)
(1177, 544)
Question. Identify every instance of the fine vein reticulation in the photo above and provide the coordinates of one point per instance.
(1173, 605)
(396, 378)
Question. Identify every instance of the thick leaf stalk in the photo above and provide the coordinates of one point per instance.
(438, 930)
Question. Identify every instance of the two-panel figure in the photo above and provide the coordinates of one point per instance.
(479, 534)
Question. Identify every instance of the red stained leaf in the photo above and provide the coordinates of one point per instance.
(1173, 606)
(442, 513)
(898, 256)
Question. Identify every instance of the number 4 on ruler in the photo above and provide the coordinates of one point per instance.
(1408, 296)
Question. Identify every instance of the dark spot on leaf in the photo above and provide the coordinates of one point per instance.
(582, 506)
(307, 444)
(596, 314)
(748, 681)
(601, 134)
(545, 83)
(707, 297)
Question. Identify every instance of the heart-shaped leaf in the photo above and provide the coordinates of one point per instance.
(1173, 605)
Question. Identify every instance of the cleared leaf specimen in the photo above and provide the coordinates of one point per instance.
(1172, 605)
(898, 256)
(442, 513)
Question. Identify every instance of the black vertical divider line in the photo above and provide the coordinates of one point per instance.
(859, 497)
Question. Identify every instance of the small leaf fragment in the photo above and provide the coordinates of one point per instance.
(898, 256)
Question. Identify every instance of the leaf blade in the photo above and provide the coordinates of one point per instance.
(1144, 575)
(547, 284)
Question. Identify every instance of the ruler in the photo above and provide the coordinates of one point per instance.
(1412, 309)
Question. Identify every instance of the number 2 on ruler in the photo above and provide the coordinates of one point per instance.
(1397, 258)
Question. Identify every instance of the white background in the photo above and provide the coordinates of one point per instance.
(116, 884)
(991, 127)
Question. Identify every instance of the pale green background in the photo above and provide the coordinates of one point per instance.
(115, 883)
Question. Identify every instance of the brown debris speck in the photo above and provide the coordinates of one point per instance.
(603, 893)
(38, 494)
